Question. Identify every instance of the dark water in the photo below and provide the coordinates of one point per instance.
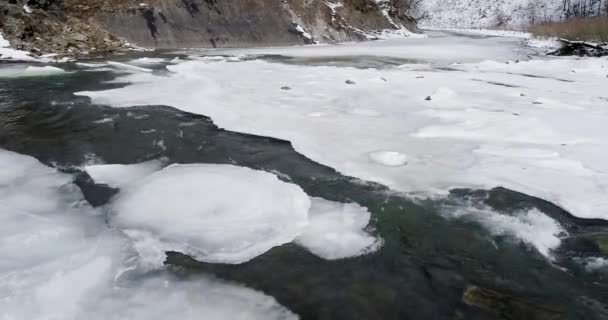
(430, 267)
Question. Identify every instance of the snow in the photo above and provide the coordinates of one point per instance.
(7, 53)
(216, 213)
(61, 261)
(479, 104)
(505, 14)
(119, 175)
(531, 227)
(303, 32)
(337, 230)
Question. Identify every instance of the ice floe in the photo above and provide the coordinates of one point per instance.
(61, 261)
(119, 175)
(216, 213)
(337, 230)
(480, 105)
(30, 71)
(145, 61)
(127, 67)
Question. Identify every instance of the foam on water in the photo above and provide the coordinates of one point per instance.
(337, 230)
(532, 227)
(216, 213)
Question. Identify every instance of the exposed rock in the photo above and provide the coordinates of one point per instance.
(581, 49)
(70, 26)
(51, 29)
(509, 307)
(350, 82)
(79, 37)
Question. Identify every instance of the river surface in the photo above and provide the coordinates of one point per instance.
(435, 262)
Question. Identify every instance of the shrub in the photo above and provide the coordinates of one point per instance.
(586, 29)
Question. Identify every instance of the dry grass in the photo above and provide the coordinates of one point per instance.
(586, 29)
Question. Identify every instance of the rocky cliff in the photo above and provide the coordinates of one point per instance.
(86, 26)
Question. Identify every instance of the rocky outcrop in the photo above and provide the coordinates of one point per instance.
(43, 26)
(87, 26)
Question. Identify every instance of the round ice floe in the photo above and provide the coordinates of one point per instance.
(389, 158)
(216, 213)
(337, 230)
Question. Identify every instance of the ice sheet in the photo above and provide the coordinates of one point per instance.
(555, 107)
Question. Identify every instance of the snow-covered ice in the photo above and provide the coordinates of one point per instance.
(216, 213)
(337, 230)
(30, 71)
(61, 261)
(480, 104)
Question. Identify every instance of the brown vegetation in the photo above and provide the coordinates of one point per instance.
(584, 29)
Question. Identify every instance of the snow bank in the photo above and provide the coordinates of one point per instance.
(216, 213)
(119, 175)
(554, 106)
(337, 230)
(7, 53)
(61, 261)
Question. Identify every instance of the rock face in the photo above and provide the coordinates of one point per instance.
(212, 23)
(81, 26)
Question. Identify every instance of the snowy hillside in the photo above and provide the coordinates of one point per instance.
(509, 14)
